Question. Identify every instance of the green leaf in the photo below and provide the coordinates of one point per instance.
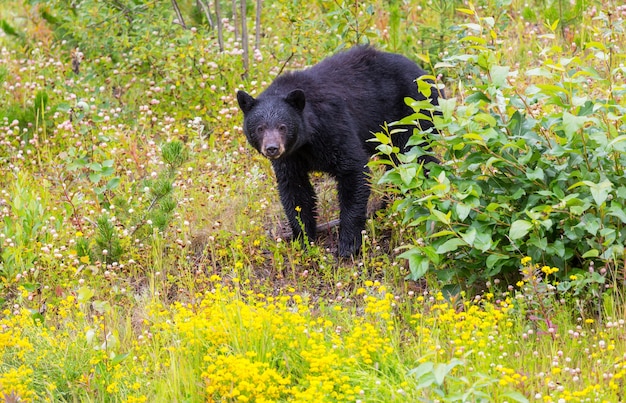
(385, 149)
(551, 89)
(618, 143)
(30, 287)
(483, 241)
(572, 124)
(101, 306)
(113, 183)
(442, 233)
(382, 138)
(41, 101)
(516, 396)
(617, 211)
(430, 253)
(37, 318)
(106, 171)
(600, 191)
(8, 29)
(425, 382)
(418, 263)
(85, 294)
(590, 223)
(424, 87)
(95, 177)
(422, 370)
(469, 236)
(443, 65)
(440, 371)
(591, 253)
(423, 374)
(596, 45)
(466, 11)
(477, 97)
(119, 358)
(535, 174)
(554, 25)
(451, 291)
(486, 118)
(439, 216)
(447, 107)
(519, 229)
(540, 242)
(450, 245)
(64, 107)
(539, 71)
(493, 259)
(462, 211)
(498, 75)
(407, 173)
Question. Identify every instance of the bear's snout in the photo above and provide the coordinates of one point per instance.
(271, 151)
(272, 145)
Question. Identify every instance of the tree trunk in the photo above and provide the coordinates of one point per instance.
(218, 17)
(204, 7)
(257, 42)
(244, 39)
(179, 15)
(234, 3)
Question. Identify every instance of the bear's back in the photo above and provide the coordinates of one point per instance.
(357, 74)
(351, 95)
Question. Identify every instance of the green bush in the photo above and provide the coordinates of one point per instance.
(538, 174)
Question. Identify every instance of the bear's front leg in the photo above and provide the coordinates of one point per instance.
(299, 201)
(353, 192)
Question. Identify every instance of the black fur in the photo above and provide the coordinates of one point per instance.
(320, 119)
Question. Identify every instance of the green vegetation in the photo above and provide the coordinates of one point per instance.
(536, 171)
(142, 250)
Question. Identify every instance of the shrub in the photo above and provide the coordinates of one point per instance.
(537, 173)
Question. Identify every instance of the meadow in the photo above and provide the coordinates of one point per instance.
(144, 255)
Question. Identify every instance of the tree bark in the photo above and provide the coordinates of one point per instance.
(257, 42)
(179, 16)
(244, 40)
(234, 3)
(218, 17)
(207, 11)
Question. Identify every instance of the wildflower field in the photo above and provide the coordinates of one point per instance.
(143, 251)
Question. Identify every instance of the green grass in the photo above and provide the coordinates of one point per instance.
(142, 251)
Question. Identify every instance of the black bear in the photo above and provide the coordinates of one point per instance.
(320, 119)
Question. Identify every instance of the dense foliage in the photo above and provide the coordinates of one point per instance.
(536, 173)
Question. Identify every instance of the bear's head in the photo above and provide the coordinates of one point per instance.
(273, 124)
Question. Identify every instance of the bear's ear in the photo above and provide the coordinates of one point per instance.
(296, 99)
(245, 100)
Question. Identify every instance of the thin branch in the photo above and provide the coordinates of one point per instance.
(235, 25)
(244, 39)
(207, 11)
(179, 15)
(257, 42)
(218, 17)
(285, 63)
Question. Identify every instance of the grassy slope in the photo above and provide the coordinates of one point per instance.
(214, 306)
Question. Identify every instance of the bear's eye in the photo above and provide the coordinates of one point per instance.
(260, 130)
(282, 129)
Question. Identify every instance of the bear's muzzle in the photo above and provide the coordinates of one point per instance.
(273, 144)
